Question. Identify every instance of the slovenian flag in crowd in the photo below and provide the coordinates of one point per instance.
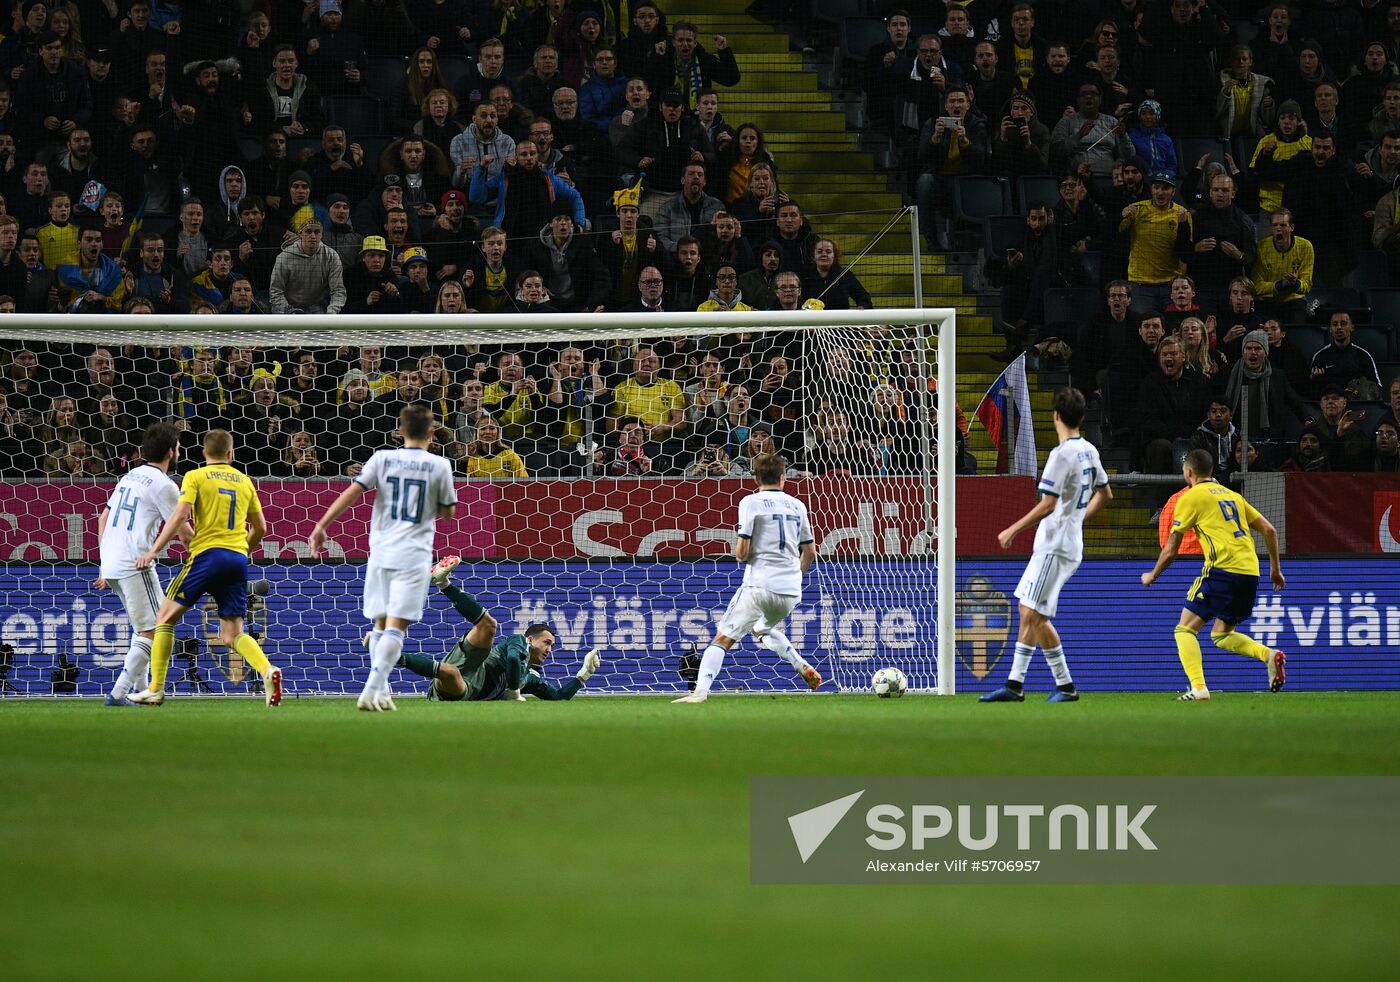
(1010, 398)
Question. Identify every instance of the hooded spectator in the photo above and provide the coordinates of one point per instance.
(307, 276)
(1020, 141)
(1287, 140)
(222, 218)
(288, 100)
(339, 233)
(1151, 140)
(1310, 455)
(574, 276)
(335, 57)
(481, 147)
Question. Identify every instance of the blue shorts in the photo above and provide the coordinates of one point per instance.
(1228, 597)
(221, 573)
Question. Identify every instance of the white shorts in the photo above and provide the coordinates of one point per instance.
(140, 594)
(755, 609)
(400, 593)
(1045, 575)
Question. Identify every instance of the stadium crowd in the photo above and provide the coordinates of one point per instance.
(256, 157)
(1214, 168)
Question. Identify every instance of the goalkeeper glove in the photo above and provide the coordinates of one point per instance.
(591, 661)
(513, 695)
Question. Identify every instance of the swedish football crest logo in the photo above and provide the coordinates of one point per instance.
(983, 625)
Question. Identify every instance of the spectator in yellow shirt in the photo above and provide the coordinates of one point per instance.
(1288, 138)
(59, 238)
(514, 399)
(1154, 226)
(1283, 265)
(658, 404)
(489, 457)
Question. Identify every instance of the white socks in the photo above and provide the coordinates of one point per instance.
(1055, 658)
(133, 674)
(385, 657)
(1021, 661)
(709, 667)
(776, 641)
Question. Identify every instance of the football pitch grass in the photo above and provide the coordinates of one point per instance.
(608, 838)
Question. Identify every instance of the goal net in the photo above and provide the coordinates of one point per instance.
(600, 464)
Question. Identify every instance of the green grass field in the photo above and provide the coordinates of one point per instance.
(608, 838)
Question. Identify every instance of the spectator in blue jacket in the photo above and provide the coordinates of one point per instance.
(1151, 140)
(525, 194)
(602, 96)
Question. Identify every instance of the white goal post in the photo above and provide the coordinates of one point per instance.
(933, 423)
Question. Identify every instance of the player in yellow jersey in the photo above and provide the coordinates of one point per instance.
(228, 525)
(1229, 577)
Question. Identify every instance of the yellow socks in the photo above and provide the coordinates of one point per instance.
(162, 645)
(1242, 644)
(1188, 649)
(252, 653)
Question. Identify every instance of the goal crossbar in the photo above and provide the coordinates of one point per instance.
(310, 330)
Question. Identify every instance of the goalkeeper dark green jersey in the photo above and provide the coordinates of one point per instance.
(488, 674)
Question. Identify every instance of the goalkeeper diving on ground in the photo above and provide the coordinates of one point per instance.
(479, 670)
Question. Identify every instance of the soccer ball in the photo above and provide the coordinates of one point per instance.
(889, 683)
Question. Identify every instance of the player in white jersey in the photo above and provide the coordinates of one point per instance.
(1073, 487)
(141, 502)
(776, 546)
(414, 489)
